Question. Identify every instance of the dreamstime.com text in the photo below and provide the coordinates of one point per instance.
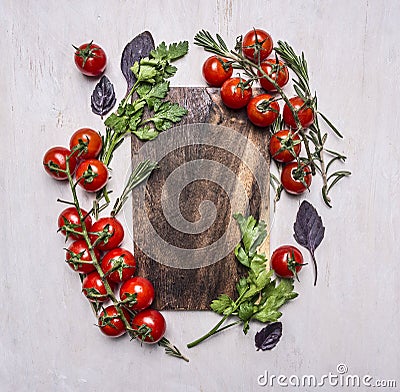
(340, 378)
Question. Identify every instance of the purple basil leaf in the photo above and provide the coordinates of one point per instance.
(269, 336)
(309, 230)
(103, 97)
(138, 48)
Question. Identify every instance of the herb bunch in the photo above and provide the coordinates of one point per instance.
(259, 295)
(315, 140)
(145, 112)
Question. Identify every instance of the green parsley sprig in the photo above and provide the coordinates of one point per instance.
(148, 95)
(259, 295)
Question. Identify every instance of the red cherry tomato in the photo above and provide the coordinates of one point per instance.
(121, 262)
(69, 219)
(257, 45)
(233, 94)
(93, 288)
(92, 140)
(90, 59)
(56, 158)
(305, 113)
(282, 145)
(111, 233)
(93, 175)
(214, 72)
(296, 180)
(276, 71)
(140, 287)
(155, 323)
(79, 258)
(262, 111)
(287, 261)
(110, 322)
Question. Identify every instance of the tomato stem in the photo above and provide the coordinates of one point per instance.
(91, 246)
(169, 348)
(66, 202)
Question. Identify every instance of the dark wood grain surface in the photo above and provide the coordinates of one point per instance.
(194, 289)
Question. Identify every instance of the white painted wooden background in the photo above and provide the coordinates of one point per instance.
(48, 341)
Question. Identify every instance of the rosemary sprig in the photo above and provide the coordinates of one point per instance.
(172, 350)
(141, 173)
(298, 64)
(204, 38)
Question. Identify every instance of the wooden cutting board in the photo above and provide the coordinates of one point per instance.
(194, 288)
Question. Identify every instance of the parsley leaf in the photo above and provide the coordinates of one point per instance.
(145, 70)
(160, 90)
(277, 296)
(161, 52)
(167, 114)
(222, 305)
(177, 50)
(253, 234)
(118, 123)
(173, 52)
(245, 314)
(169, 71)
(242, 286)
(146, 133)
(153, 95)
(242, 256)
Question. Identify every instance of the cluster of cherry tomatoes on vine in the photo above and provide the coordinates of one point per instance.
(95, 250)
(263, 109)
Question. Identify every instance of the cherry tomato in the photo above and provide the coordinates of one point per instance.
(94, 289)
(305, 114)
(69, 219)
(214, 71)
(92, 140)
(262, 111)
(119, 265)
(155, 322)
(90, 59)
(276, 71)
(233, 94)
(110, 323)
(257, 45)
(296, 180)
(283, 144)
(139, 287)
(79, 258)
(56, 158)
(111, 233)
(287, 261)
(93, 175)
